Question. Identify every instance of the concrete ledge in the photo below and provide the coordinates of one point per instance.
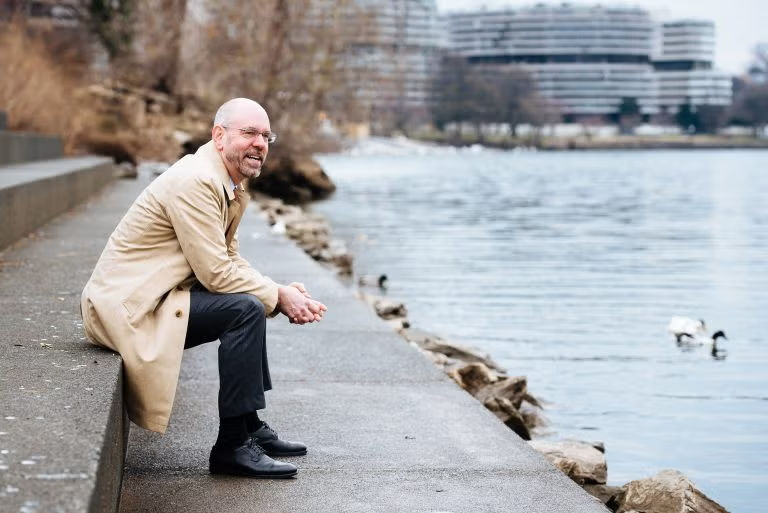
(18, 147)
(63, 430)
(32, 194)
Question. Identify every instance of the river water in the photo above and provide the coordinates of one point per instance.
(567, 267)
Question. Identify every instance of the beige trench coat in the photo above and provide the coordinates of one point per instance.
(182, 228)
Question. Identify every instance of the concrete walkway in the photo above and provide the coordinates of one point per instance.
(387, 431)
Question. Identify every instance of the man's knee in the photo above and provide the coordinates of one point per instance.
(251, 306)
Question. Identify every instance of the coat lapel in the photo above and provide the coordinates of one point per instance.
(235, 213)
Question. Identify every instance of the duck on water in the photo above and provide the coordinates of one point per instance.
(693, 332)
(381, 281)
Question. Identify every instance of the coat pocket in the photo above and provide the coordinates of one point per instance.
(147, 296)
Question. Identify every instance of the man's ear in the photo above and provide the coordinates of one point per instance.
(217, 136)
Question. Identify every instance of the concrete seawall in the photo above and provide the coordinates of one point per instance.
(19, 147)
(34, 193)
(62, 429)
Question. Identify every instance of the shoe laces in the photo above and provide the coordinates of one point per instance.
(271, 431)
(255, 449)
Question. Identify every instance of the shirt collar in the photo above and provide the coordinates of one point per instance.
(232, 184)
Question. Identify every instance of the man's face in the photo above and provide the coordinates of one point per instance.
(245, 144)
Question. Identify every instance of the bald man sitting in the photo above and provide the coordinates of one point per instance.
(171, 278)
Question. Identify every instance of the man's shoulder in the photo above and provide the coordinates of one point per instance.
(192, 170)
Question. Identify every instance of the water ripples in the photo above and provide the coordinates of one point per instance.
(567, 267)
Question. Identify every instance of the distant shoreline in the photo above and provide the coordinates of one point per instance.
(629, 142)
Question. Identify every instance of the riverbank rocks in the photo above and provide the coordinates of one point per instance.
(580, 461)
(484, 379)
(473, 377)
(669, 491)
(509, 415)
(436, 344)
(608, 495)
(310, 231)
(502, 395)
(384, 307)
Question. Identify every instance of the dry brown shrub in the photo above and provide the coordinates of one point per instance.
(38, 91)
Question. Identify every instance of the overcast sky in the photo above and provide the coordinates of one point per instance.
(740, 24)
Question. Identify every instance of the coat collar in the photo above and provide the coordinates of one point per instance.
(208, 152)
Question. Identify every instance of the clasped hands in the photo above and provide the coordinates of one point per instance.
(295, 303)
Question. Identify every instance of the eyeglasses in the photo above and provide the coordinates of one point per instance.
(251, 133)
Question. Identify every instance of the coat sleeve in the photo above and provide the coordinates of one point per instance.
(234, 253)
(195, 213)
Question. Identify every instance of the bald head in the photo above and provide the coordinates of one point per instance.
(236, 108)
(241, 133)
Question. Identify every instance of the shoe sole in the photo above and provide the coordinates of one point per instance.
(240, 473)
(284, 454)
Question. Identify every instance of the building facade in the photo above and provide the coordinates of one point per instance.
(392, 64)
(684, 65)
(587, 59)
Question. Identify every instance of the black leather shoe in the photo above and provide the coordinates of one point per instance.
(248, 460)
(267, 438)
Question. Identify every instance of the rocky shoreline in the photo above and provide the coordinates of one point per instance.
(669, 491)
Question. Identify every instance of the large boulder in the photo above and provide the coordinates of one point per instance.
(294, 179)
(669, 491)
(580, 461)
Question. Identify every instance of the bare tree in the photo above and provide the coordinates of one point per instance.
(288, 57)
(157, 47)
(628, 115)
(111, 22)
(712, 118)
(751, 107)
(758, 70)
(482, 95)
(515, 99)
(460, 91)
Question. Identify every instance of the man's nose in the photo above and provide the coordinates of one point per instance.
(260, 142)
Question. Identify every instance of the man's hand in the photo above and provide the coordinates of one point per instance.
(300, 287)
(295, 303)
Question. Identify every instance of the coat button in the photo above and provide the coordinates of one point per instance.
(179, 313)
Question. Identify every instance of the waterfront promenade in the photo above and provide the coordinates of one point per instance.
(386, 430)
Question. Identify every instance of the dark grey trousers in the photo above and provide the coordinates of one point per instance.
(239, 322)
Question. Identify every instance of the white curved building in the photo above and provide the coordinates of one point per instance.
(585, 59)
(684, 66)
